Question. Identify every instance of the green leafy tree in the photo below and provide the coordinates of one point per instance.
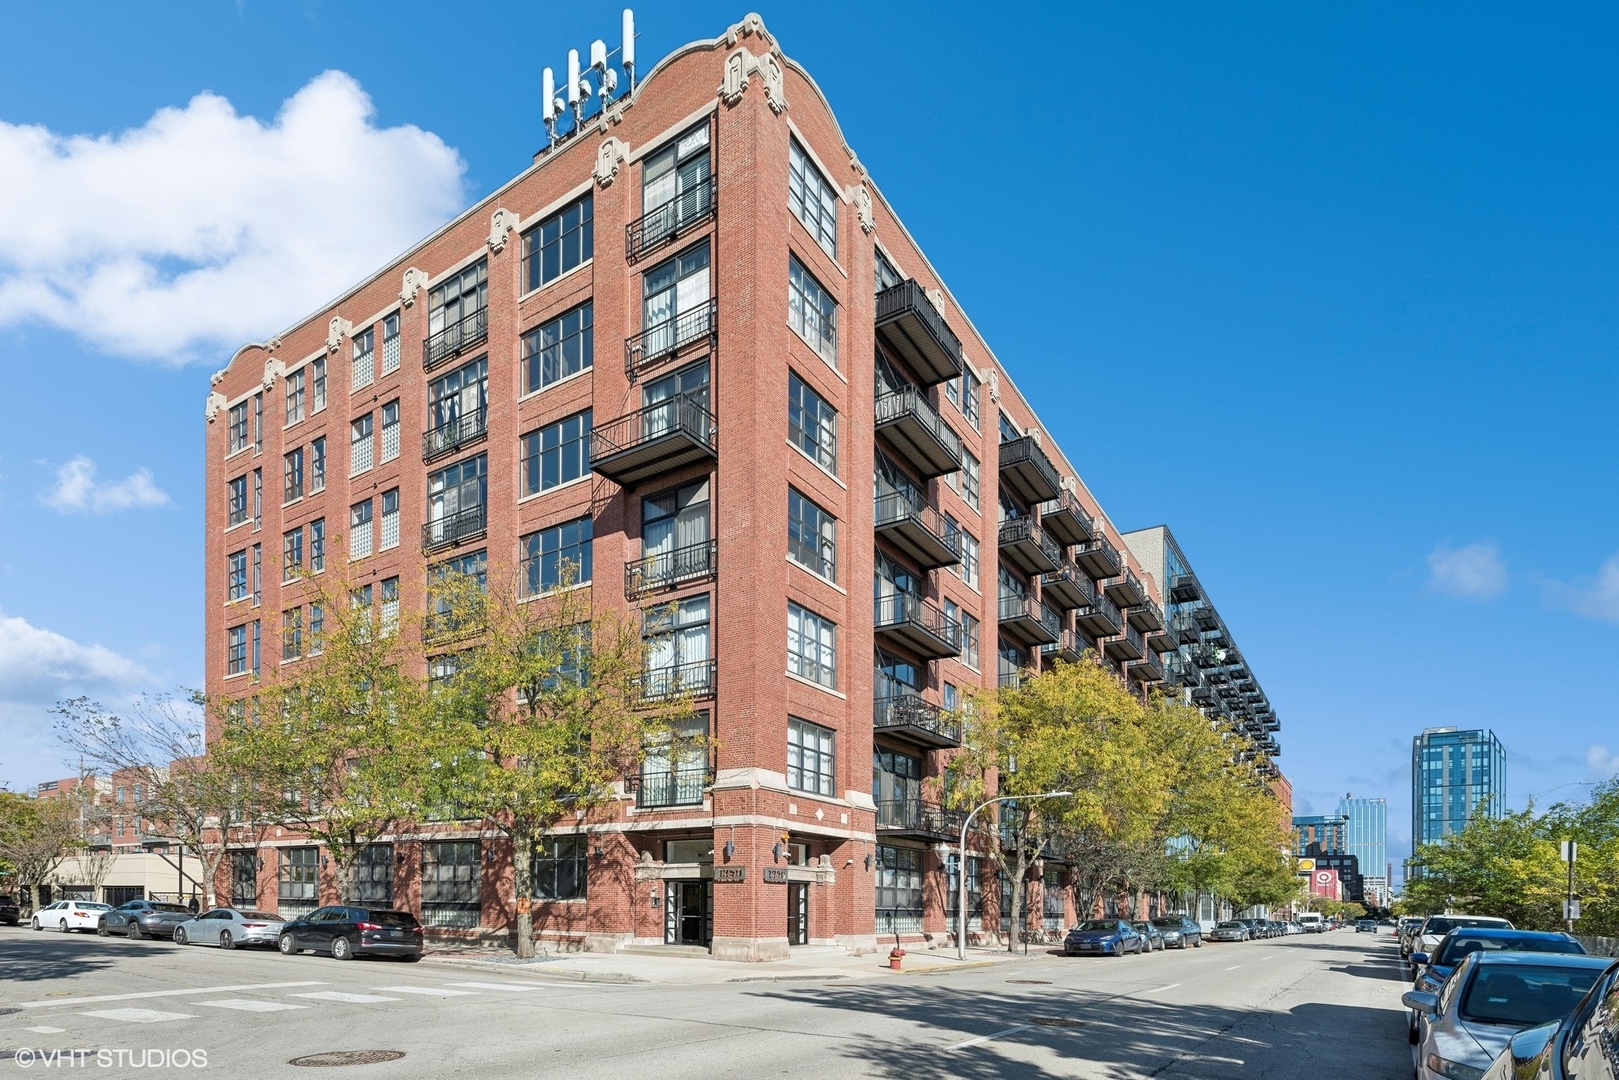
(35, 836)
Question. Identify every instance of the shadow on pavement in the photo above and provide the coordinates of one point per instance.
(39, 957)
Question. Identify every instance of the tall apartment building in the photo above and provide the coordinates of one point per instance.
(1320, 834)
(772, 341)
(1366, 838)
(1454, 775)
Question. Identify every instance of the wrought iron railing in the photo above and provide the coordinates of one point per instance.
(454, 434)
(671, 569)
(671, 787)
(1020, 530)
(918, 815)
(1027, 607)
(1104, 550)
(1024, 450)
(664, 223)
(909, 401)
(454, 528)
(450, 342)
(900, 608)
(910, 296)
(695, 678)
(910, 710)
(670, 336)
(681, 414)
(1067, 502)
(897, 508)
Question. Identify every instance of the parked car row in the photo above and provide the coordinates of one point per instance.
(1115, 937)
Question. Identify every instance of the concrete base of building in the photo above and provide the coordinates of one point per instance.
(749, 950)
(602, 943)
(859, 944)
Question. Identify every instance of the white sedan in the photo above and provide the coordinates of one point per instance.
(65, 915)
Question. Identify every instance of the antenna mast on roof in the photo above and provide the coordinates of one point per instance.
(579, 88)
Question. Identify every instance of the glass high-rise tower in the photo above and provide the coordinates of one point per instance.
(1454, 775)
(1366, 838)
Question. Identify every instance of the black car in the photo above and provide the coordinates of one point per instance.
(143, 918)
(1179, 931)
(345, 932)
(1257, 928)
(10, 913)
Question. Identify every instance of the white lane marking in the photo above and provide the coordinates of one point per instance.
(427, 991)
(520, 987)
(986, 1038)
(1233, 967)
(60, 1002)
(45, 1029)
(249, 1005)
(141, 1016)
(1159, 989)
(352, 999)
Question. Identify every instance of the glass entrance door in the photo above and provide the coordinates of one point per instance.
(798, 913)
(689, 918)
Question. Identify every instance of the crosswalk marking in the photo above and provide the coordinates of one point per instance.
(353, 999)
(60, 1002)
(249, 1005)
(45, 1029)
(1161, 989)
(1233, 967)
(427, 991)
(140, 1016)
(987, 1038)
(519, 987)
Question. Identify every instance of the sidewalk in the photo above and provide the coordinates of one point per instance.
(807, 965)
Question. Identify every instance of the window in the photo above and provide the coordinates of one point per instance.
(557, 349)
(442, 578)
(451, 873)
(560, 867)
(968, 479)
(674, 536)
(390, 518)
(374, 875)
(811, 199)
(556, 556)
(236, 500)
(811, 764)
(674, 302)
(236, 575)
(811, 312)
(812, 424)
(236, 650)
(364, 358)
(899, 890)
(390, 605)
(317, 545)
(969, 640)
(258, 421)
(886, 277)
(676, 647)
(258, 498)
(390, 431)
(811, 646)
(236, 429)
(812, 539)
(360, 444)
(1009, 430)
(556, 454)
(457, 308)
(244, 878)
(295, 396)
(969, 566)
(317, 384)
(258, 572)
(296, 876)
(675, 186)
(674, 771)
(292, 633)
(558, 244)
(966, 396)
(292, 476)
(292, 553)
(360, 530)
(317, 624)
(455, 499)
(317, 464)
(390, 344)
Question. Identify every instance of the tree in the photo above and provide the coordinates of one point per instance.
(35, 836)
(545, 707)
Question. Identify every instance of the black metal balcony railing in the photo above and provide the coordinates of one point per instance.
(1125, 590)
(1066, 521)
(1067, 587)
(1099, 558)
(1028, 620)
(1069, 646)
(907, 420)
(1146, 615)
(671, 569)
(1148, 668)
(1183, 589)
(1100, 616)
(919, 625)
(918, 529)
(673, 219)
(909, 324)
(1024, 545)
(671, 787)
(907, 713)
(654, 439)
(450, 342)
(1027, 471)
(667, 338)
(450, 436)
(453, 528)
(919, 817)
(695, 678)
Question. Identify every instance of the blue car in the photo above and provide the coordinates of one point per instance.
(1105, 937)
(1459, 944)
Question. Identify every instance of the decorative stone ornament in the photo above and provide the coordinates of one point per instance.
(609, 155)
(273, 369)
(769, 66)
(737, 66)
(740, 67)
(994, 385)
(752, 25)
(415, 281)
(863, 209)
(936, 298)
(216, 401)
(501, 224)
(336, 331)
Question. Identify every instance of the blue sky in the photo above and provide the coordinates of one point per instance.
(1331, 292)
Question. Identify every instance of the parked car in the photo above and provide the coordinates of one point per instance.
(345, 932)
(1231, 930)
(1435, 927)
(1155, 940)
(1179, 931)
(1489, 998)
(1365, 926)
(66, 915)
(1458, 945)
(10, 912)
(143, 918)
(1108, 937)
(229, 928)
(1579, 1047)
(1277, 929)
(1407, 929)
(1257, 928)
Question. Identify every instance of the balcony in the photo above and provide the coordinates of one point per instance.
(1069, 647)
(1100, 617)
(1203, 695)
(1009, 680)
(911, 327)
(1184, 589)
(1027, 472)
(918, 819)
(1147, 616)
(670, 569)
(1027, 621)
(1126, 590)
(1130, 645)
(676, 218)
(912, 427)
(917, 625)
(654, 440)
(907, 716)
(449, 437)
(668, 339)
(1208, 656)
(1183, 672)
(1160, 642)
(693, 679)
(454, 339)
(670, 787)
(917, 530)
(1099, 558)
(1066, 588)
(1184, 628)
(467, 524)
(1065, 521)
(1149, 669)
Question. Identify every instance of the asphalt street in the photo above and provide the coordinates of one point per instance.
(1315, 1007)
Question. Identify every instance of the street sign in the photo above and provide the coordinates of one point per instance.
(1568, 850)
(1571, 909)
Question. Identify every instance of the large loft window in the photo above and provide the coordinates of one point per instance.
(556, 349)
(812, 199)
(811, 311)
(556, 245)
(457, 314)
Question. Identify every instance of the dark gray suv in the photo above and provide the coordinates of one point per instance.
(143, 918)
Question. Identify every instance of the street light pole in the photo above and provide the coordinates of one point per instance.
(961, 862)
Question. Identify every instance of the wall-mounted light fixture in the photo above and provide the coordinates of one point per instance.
(868, 860)
(653, 897)
(775, 851)
(730, 849)
(598, 853)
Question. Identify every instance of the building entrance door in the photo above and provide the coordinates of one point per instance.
(798, 913)
(689, 913)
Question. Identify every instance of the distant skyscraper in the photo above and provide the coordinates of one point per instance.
(1454, 774)
(1320, 834)
(1366, 837)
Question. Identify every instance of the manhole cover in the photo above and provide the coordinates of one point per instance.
(1030, 982)
(1056, 1021)
(348, 1057)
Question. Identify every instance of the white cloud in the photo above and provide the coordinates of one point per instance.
(1601, 762)
(202, 229)
(1475, 571)
(1597, 598)
(78, 491)
(39, 666)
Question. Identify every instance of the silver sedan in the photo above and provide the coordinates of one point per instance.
(229, 928)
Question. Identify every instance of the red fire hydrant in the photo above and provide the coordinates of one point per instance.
(895, 955)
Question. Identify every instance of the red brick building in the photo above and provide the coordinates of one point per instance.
(693, 345)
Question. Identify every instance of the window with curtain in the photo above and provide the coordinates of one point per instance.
(674, 288)
(674, 533)
(812, 538)
(674, 771)
(675, 184)
(811, 758)
(676, 646)
(811, 646)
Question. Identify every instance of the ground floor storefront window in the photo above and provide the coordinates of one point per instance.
(297, 873)
(451, 884)
(899, 890)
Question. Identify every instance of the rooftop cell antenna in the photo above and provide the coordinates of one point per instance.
(551, 105)
(627, 55)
